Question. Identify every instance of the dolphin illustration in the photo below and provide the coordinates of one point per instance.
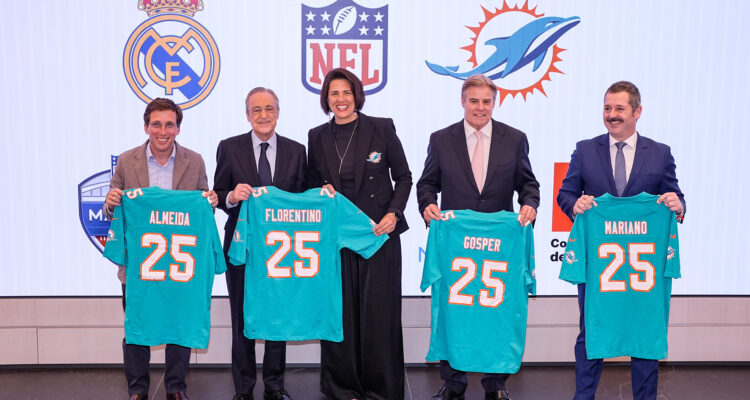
(513, 51)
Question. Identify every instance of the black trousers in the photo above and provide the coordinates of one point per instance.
(456, 381)
(369, 362)
(243, 349)
(136, 359)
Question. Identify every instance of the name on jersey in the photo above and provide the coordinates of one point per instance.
(481, 243)
(625, 227)
(292, 215)
(169, 218)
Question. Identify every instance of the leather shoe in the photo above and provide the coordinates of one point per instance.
(499, 395)
(243, 396)
(177, 396)
(280, 394)
(446, 394)
(138, 397)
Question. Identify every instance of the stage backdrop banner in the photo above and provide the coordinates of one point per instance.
(76, 78)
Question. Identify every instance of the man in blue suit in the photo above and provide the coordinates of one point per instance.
(622, 163)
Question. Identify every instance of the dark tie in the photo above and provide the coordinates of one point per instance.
(620, 179)
(264, 168)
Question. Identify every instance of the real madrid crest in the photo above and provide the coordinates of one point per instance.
(170, 54)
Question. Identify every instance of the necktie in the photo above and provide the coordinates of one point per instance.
(477, 161)
(620, 179)
(264, 168)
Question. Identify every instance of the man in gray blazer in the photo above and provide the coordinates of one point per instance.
(162, 162)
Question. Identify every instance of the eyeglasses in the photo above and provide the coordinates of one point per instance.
(170, 126)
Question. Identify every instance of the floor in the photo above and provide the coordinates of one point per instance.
(683, 382)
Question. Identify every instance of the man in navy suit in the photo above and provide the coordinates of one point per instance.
(648, 167)
(260, 157)
(477, 164)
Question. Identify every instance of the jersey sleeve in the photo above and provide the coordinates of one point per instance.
(220, 265)
(672, 268)
(573, 267)
(355, 229)
(240, 238)
(530, 275)
(114, 250)
(431, 269)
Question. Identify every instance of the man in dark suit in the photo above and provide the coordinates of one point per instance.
(644, 166)
(477, 164)
(260, 157)
(161, 162)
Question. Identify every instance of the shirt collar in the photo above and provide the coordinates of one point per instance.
(631, 141)
(271, 141)
(150, 155)
(486, 130)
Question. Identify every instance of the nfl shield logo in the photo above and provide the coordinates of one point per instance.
(345, 35)
(91, 194)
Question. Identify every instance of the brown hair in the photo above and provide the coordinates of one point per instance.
(479, 80)
(354, 82)
(630, 88)
(161, 104)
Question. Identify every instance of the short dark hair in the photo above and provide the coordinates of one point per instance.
(354, 82)
(258, 90)
(161, 104)
(630, 88)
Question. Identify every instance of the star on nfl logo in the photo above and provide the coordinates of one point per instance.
(345, 35)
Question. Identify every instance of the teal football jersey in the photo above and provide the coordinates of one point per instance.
(290, 244)
(168, 242)
(481, 269)
(626, 252)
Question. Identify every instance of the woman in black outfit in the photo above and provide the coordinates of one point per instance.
(361, 157)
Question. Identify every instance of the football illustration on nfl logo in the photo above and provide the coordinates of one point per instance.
(344, 20)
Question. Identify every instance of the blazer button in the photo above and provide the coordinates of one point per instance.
(371, 178)
(372, 196)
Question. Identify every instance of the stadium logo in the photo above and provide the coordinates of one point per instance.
(91, 194)
(170, 54)
(515, 47)
(345, 35)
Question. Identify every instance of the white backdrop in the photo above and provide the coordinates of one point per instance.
(66, 106)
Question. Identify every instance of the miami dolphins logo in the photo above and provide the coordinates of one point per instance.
(171, 55)
(570, 257)
(518, 48)
(374, 157)
(671, 252)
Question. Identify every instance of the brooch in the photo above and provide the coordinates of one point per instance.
(374, 157)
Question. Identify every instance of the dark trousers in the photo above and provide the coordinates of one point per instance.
(136, 359)
(369, 362)
(644, 374)
(456, 381)
(243, 349)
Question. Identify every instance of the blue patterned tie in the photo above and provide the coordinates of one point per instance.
(620, 179)
(264, 168)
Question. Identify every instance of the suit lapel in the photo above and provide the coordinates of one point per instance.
(496, 148)
(362, 141)
(140, 167)
(181, 162)
(282, 160)
(641, 152)
(458, 141)
(606, 161)
(245, 156)
(329, 154)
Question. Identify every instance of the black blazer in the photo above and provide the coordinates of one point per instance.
(447, 169)
(235, 163)
(375, 194)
